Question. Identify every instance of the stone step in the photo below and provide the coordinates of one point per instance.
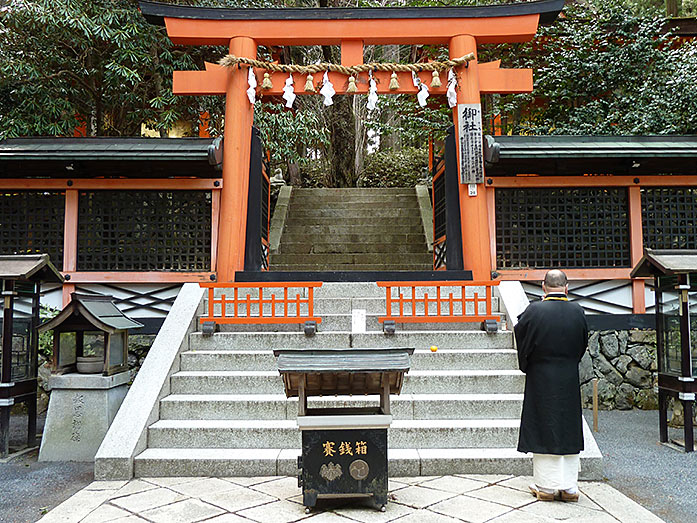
(277, 406)
(349, 290)
(362, 204)
(374, 196)
(404, 434)
(349, 237)
(337, 247)
(398, 230)
(328, 192)
(324, 306)
(343, 322)
(374, 201)
(416, 382)
(354, 212)
(306, 267)
(390, 258)
(356, 223)
(401, 462)
(339, 340)
(445, 359)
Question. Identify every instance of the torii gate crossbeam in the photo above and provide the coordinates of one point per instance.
(462, 29)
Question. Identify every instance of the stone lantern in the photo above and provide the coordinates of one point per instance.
(675, 273)
(20, 280)
(90, 336)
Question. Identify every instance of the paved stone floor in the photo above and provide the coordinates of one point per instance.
(441, 499)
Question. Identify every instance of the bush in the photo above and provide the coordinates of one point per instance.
(314, 173)
(404, 168)
(46, 338)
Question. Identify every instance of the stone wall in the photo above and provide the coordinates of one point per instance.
(625, 364)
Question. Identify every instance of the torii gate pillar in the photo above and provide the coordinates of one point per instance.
(474, 222)
(239, 116)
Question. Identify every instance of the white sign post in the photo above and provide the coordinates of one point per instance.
(469, 122)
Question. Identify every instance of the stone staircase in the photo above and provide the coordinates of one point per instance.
(352, 230)
(225, 413)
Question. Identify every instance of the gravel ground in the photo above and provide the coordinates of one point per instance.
(657, 477)
(29, 488)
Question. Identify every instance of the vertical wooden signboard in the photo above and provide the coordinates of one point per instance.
(470, 133)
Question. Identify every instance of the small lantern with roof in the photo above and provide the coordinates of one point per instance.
(675, 272)
(90, 335)
(20, 278)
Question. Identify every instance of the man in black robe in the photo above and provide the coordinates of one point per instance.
(551, 336)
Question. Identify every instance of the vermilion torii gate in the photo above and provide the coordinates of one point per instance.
(460, 28)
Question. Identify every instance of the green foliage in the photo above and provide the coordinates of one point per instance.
(403, 168)
(46, 313)
(401, 115)
(292, 136)
(604, 70)
(65, 62)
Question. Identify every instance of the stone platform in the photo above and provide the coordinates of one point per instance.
(436, 499)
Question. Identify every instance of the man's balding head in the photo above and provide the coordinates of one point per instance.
(555, 281)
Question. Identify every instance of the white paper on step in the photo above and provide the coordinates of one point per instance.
(358, 321)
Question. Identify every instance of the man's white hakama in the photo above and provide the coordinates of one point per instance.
(556, 472)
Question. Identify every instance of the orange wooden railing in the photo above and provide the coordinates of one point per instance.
(408, 314)
(253, 308)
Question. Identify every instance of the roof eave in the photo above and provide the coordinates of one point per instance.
(156, 12)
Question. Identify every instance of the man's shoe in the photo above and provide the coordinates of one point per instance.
(566, 496)
(541, 496)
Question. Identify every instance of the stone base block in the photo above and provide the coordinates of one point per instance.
(81, 408)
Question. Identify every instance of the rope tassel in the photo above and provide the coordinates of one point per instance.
(309, 86)
(266, 82)
(394, 83)
(351, 85)
(435, 81)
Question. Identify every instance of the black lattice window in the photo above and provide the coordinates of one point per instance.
(144, 231)
(669, 216)
(572, 228)
(32, 222)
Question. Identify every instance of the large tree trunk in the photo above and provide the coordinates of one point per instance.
(343, 142)
(342, 128)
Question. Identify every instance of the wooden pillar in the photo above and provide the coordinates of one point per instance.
(636, 239)
(351, 52)
(4, 431)
(239, 115)
(474, 219)
(72, 197)
(6, 378)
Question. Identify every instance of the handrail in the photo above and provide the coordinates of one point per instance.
(410, 316)
(253, 308)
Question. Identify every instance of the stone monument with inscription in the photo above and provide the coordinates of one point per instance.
(81, 409)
